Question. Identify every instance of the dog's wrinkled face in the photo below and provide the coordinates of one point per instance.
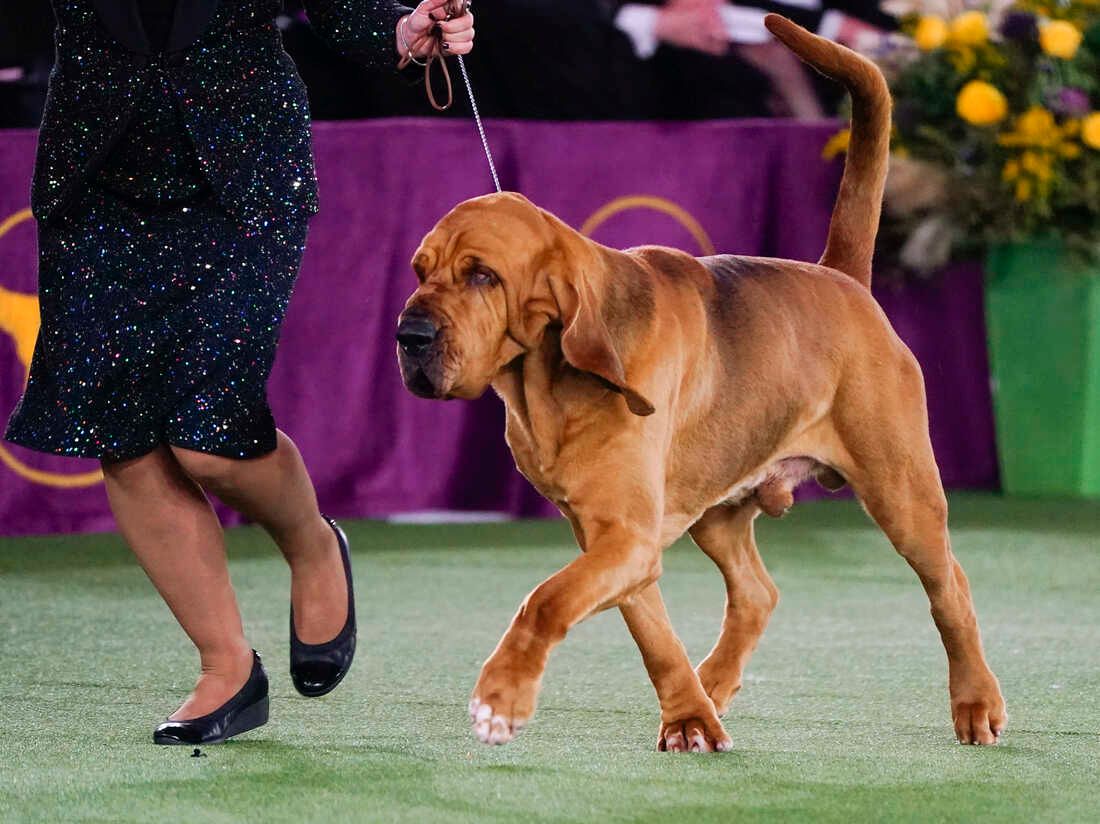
(478, 271)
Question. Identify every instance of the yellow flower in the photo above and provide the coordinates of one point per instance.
(969, 29)
(1060, 38)
(1035, 127)
(1023, 189)
(1038, 165)
(1090, 131)
(1043, 141)
(931, 32)
(837, 144)
(981, 104)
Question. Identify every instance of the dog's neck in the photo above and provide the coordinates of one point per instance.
(534, 427)
(541, 389)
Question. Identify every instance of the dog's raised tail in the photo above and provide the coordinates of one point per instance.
(854, 224)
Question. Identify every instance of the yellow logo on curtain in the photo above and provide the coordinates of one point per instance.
(653, 202)
(19, 321)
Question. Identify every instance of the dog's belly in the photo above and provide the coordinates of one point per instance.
(773, 486)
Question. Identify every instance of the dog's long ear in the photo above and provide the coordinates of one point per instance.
(588, 342)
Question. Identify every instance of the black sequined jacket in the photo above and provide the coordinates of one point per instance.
(239, 94)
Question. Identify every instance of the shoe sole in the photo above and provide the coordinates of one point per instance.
(249, 719)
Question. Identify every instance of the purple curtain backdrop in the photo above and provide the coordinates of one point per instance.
(753, 187)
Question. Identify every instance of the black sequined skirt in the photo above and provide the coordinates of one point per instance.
(160, 311)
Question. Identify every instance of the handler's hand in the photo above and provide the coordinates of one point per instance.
(693, 24)
(415, 30)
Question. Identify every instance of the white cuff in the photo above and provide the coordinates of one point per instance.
(639, 23)
(744, 24)
(832, 21)
(811, 5)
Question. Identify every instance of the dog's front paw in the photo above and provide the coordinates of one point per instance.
(501, 705)
(978, 712)
(703, 734)
(492, 727)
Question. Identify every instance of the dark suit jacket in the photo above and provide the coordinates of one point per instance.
(239, 94)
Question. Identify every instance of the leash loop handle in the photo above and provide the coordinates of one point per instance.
(454, 8)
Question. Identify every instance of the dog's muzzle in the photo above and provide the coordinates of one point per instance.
(418, 354)
(415, 334)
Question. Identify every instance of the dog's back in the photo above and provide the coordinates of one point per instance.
(793, 304)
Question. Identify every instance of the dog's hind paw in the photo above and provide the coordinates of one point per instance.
(694, 735)
(492, 728)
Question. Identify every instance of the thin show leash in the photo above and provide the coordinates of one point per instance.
(454, 8)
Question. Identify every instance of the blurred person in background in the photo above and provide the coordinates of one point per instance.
(559, 60)
(543, 59)
(173, 189)
(26, 54)
(539, 59)
(608, 59)
(716, 59)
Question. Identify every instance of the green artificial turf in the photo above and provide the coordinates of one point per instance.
(843, 716)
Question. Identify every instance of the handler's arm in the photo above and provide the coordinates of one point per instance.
(363, 30)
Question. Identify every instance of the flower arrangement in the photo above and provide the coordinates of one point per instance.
(996, 127)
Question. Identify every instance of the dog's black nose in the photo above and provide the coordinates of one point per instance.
(416, 333)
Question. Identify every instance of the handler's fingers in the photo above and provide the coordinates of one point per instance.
(428, 6)
(458, 48)
(459, 36)
(427, 14)
(459, 24)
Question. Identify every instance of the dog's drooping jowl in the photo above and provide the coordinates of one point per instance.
(650, 393)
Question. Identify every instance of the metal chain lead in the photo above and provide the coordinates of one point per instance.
(477, 120)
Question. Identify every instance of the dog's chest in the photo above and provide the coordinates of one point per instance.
(537, 465)
(556, 424)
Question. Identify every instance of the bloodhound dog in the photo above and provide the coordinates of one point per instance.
(650, 393)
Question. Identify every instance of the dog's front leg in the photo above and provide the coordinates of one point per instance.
(689, 720)
(620, 560)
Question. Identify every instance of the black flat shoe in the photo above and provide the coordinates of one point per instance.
(316, 669)
(243, 712)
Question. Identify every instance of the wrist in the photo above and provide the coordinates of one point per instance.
(406, 48)
(399, 35)
(660, 24)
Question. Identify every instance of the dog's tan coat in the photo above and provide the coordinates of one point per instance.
(651, 393)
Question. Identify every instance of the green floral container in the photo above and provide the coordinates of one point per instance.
(1043, 314)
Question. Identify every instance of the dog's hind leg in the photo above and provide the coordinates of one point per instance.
(688, 717)
(893, 472)
(725, 534)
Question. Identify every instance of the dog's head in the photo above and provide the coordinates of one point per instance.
(494, 274)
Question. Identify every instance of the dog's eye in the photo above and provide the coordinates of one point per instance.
(480, 276)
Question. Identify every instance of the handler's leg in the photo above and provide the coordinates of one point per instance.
(168, 523)
(276, 492)
(688, 718)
